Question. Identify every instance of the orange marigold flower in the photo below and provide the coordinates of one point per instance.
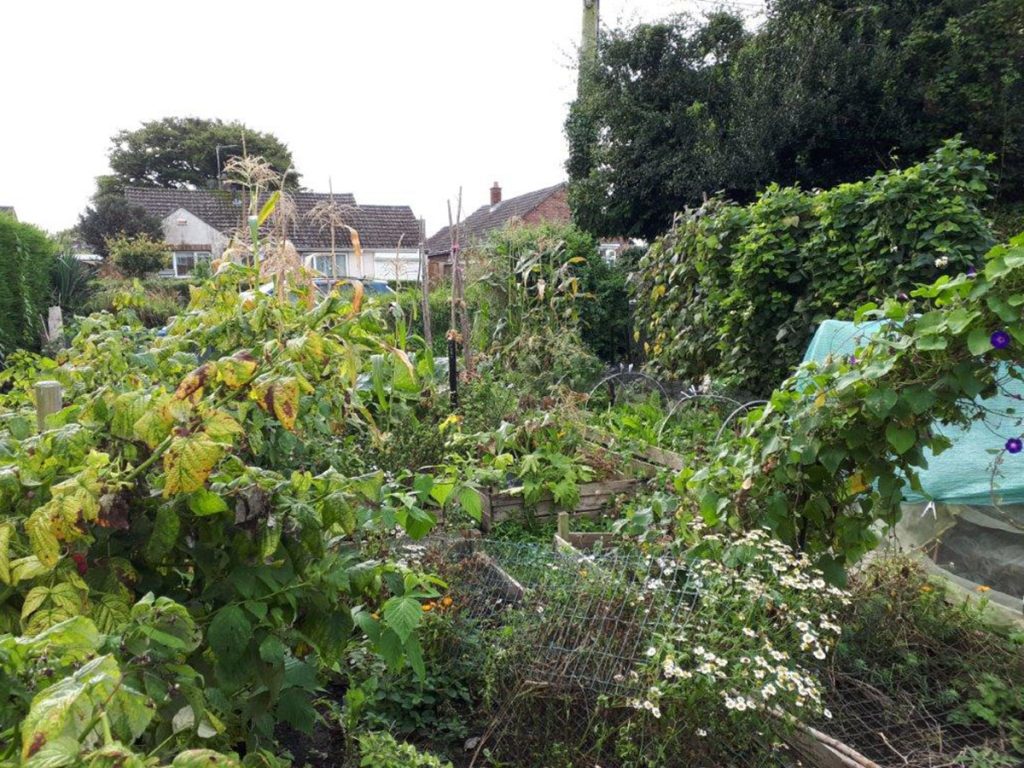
(983, 588)
(446, 601)
(428, 606)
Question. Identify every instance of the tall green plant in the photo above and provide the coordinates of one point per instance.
(26, 259)
(736, 291)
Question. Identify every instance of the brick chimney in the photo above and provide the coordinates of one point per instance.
(495, 194)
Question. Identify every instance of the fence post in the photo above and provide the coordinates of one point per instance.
(49, 400)
(563, 526)
(55, 327)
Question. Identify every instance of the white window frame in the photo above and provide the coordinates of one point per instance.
(323, 258)
(196, 257)
(609, 252)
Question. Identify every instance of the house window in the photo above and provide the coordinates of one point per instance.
(609, 252)
(331, 266)
(184, 262)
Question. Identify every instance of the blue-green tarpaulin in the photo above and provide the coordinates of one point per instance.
(962, 474)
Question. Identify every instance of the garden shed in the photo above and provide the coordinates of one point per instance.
(969, 522)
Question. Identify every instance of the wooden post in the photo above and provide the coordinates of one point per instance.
(55, 327)
(563, 526)
(49, 400)
(428, 331)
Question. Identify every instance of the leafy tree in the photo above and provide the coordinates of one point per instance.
(26, 256)
(111, 215)
(138, 256)
(181, 153)
(823, 92)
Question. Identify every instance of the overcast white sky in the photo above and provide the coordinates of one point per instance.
(397, 101)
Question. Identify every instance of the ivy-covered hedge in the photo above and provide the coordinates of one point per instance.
(736, 291)
(26, 259)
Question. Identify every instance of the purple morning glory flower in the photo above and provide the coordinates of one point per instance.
(972, 272)
(1000, 339)
(852, 359)
(1014, 445)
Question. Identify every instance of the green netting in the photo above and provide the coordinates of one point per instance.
(967, 473)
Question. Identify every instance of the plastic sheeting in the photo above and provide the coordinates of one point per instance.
(970, 524)
(962, 474)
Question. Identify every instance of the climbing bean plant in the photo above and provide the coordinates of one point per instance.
(828, 457)
(736, 291)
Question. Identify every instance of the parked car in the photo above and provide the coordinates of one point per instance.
(370, 287)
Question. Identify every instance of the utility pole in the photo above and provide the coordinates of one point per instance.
(588, 43)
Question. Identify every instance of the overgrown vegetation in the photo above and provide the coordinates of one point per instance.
(819, 94)
(735, 292)
(27, 256)
(138, 256)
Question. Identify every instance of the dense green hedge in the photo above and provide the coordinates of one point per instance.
(735, 292)
(26, 259)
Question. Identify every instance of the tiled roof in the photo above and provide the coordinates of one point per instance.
(379, 226)
(487, 218)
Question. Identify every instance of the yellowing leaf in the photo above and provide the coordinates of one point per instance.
(857, 484)
(6, 530)
(281, 398)
(128, 409)
(25, 568)
(191, 387)
(153, 426)
(189, 461)
(221, 427)
(236, 370)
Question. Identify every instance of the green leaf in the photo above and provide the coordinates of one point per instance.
(471, 502)
(205, 758)
(881, 401)
(402, 615)
(272, 650)
(414, 653)
(900, 438)
(441, 491)
(204, 503)
(268, 208)
(229, 633)
(166, 527)
(979, 341)
(296, 709)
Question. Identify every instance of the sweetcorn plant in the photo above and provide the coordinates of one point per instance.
(740, 669)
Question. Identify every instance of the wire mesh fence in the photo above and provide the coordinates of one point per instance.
(572, 631)
(569, 634)
(922, 682)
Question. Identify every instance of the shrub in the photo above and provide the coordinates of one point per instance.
(153, 302)
(71, 283)
(138, 255)
(380, 750)
(736, 291)
(26, 259)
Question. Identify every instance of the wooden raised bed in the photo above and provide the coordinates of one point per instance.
(595, 499)
(646, 461)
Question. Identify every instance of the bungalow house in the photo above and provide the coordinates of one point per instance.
(543, 205)
(198, 225)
